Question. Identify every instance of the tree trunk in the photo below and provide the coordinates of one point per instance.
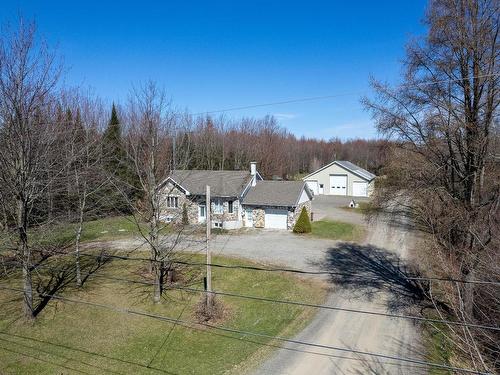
(25, 251)
(77, 249)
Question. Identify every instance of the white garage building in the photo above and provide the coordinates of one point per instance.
(341, 177)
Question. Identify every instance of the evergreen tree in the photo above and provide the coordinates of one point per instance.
(303, 224)
(113, 150)
(118, 166)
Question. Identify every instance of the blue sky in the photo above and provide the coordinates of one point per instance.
(222, 54)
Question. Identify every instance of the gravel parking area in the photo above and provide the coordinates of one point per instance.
(334, 207)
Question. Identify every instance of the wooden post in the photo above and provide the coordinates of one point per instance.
(209, 255)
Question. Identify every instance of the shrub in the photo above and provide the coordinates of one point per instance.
(303, 224)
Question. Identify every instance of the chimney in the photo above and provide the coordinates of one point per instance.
(253, 172)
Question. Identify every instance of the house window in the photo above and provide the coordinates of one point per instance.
(202, 211)
(172, 202)
(217, 224)
(321, 186)
(230, 207)
(218, 206)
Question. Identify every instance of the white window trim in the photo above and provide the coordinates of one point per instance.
(218, 206)
(176, 200)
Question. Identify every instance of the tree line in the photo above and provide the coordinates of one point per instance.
(66, 157)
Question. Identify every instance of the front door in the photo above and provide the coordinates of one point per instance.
(338, 184)
(202, 213)
(249, 217)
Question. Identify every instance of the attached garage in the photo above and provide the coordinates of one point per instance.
(275, 218)
(341, 177)
(277, 204)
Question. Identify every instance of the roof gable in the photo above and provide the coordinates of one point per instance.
(347, 165)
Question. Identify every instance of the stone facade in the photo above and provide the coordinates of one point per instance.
(193, 204)
(175, 214)
(259, 217)
(227, 217)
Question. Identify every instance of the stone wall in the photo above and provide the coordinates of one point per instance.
(193, 203)
(176, 213)
(259, 217)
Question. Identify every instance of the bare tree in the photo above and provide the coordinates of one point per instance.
(87, 177)
(28, 76)
(444, 118)
(150, 124)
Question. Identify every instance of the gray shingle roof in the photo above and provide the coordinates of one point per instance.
(274, 193)
(355, 169)
(222, 183)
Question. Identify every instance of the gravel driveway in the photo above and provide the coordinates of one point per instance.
(380, 259)
(335, 208)
(379, 264)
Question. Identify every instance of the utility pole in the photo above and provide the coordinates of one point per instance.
(209, 255)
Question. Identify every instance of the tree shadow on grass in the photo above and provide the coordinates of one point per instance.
(48, 344)
(366, 270)
(59, 275)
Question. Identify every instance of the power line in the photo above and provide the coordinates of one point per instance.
(283, 269)
(189, 324)
(324, 97)
(294, 303)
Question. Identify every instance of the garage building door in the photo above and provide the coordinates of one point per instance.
(360, 189)
(276, 218)
(338, 184)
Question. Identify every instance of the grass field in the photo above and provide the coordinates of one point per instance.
(101, 229)
(71, 338)
(337, 230)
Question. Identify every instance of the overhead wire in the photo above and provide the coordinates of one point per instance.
(189, 324)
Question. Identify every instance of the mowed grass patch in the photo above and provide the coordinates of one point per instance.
(72, 338)
(103, 229)
(337, 230)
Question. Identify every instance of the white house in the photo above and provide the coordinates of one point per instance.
(341, 177)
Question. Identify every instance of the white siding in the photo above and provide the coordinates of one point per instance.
(303, 197)
(323, 177)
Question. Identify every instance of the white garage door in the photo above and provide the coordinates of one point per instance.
(276, 218)
(360, 189)
(313, 185)
(338, 184)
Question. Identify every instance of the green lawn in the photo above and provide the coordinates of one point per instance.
(69, 338)
(95, 230)
(337, 230)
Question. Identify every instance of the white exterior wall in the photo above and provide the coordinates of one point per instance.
(323, 177)
(303, 197)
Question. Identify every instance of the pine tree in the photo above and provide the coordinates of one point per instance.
(117, 165)
(113, 150)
